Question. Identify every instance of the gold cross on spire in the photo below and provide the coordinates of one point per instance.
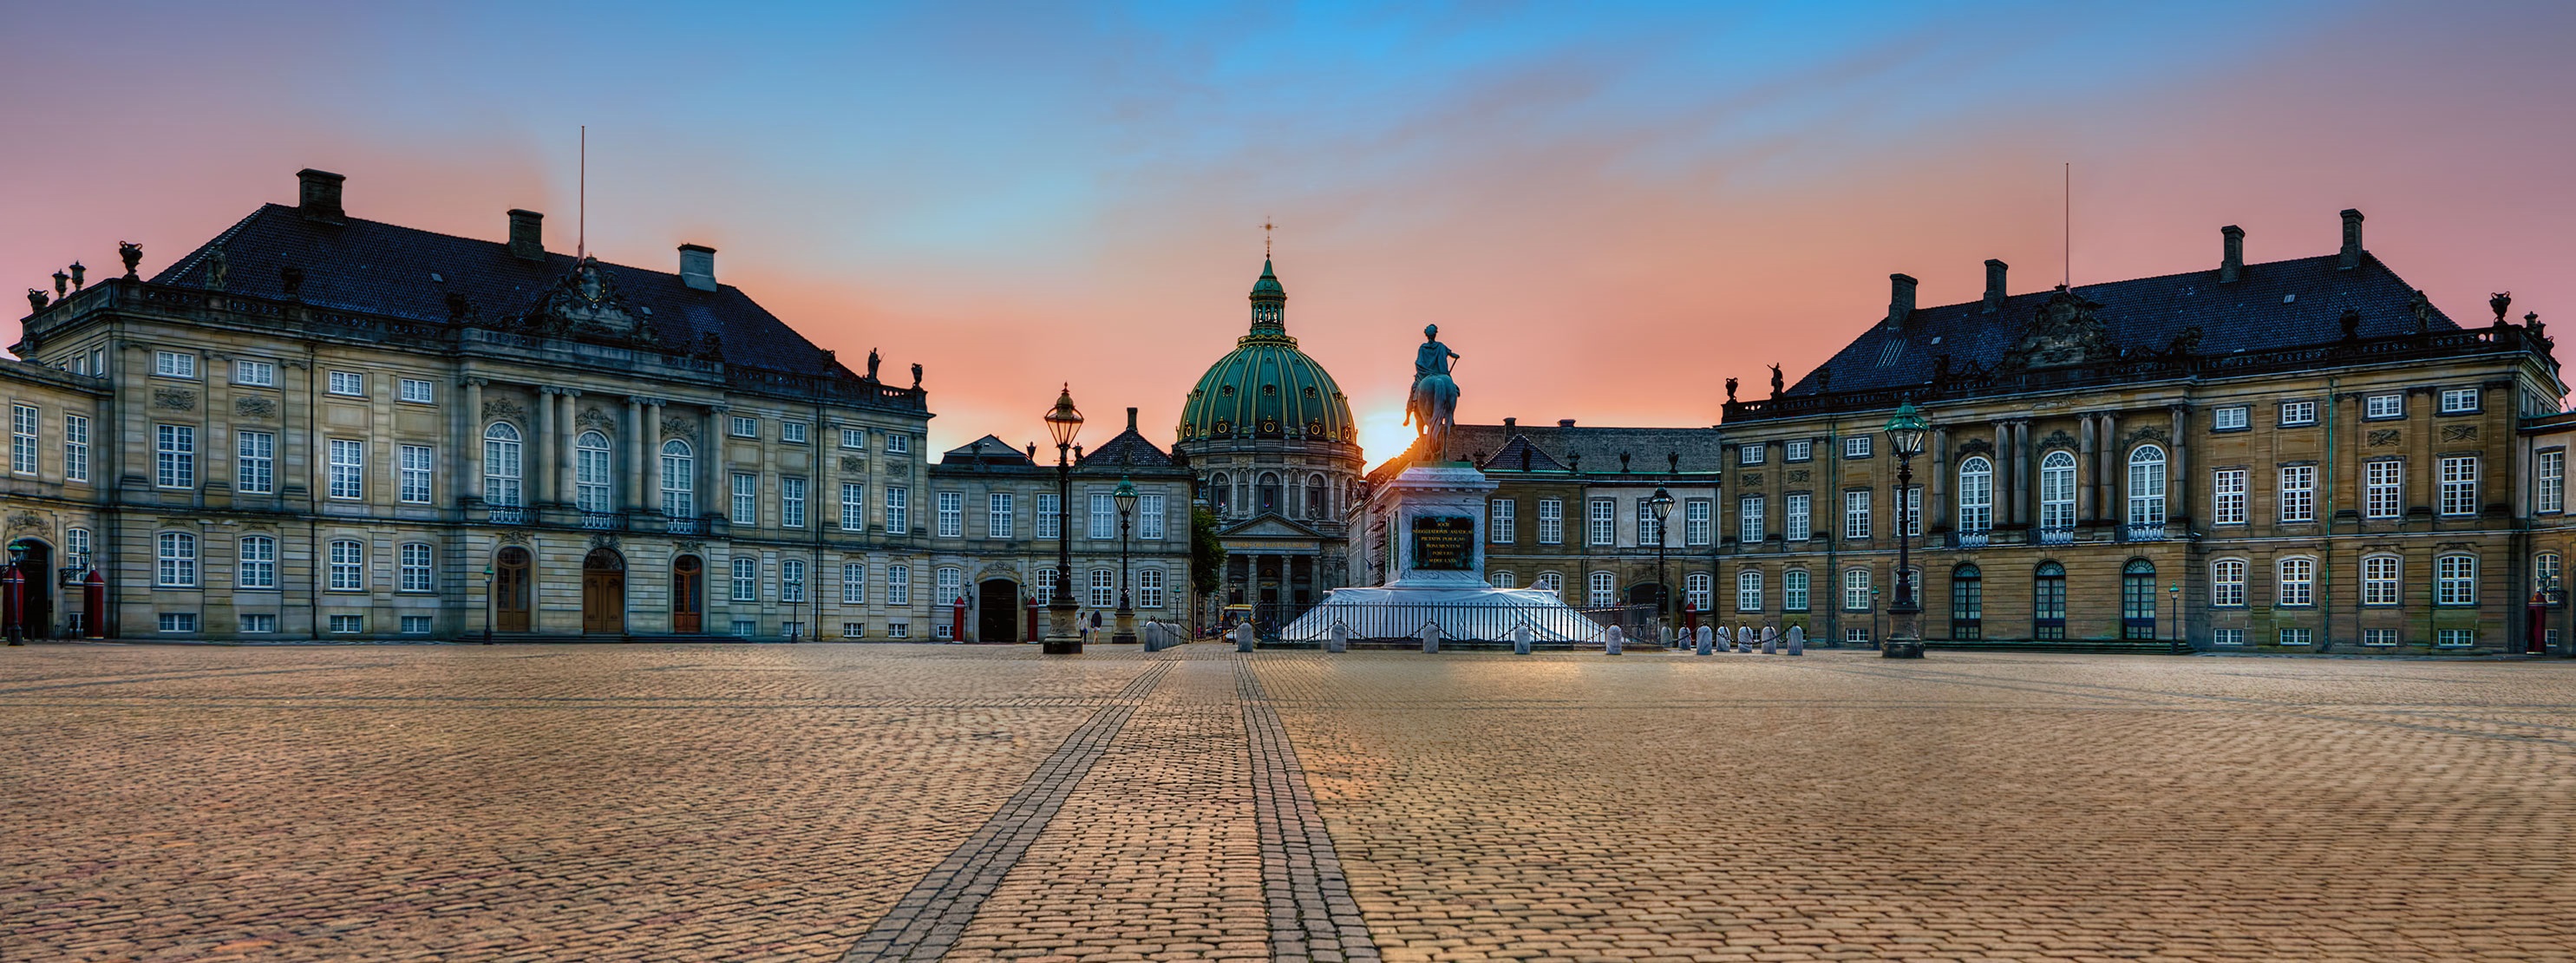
(1265, 238)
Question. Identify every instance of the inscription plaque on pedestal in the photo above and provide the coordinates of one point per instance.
(1444, 543)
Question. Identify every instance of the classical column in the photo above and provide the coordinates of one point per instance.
(1937, 502)
(653, 453)
(567, 460)
(471, 486)
(2178, 470)
(2114, 461)
(546, 444)
(635, 453)
(2084, 464)
(714, 481)
(2003, 490)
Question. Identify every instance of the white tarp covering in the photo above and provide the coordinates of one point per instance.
(1464, 613)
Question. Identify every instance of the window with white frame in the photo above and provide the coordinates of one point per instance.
(2379, 638)
(348, 383)
(1751, 453)
(2298, 637)
(1748, 519)
(1104, 516)
(791, 580)
(951, 518)
(1104, 588)
(998, 515)
(2459, 485)
(746, 499)
(349, 469)
(258, 623)
(898, 630)
(1748, 591)
(1856, 590)
(2455, 638)
(75, 448)
(2298, 581)
(1605, 590)
(792, 432)
(2230, 418)
(898, 585)
(898, 444)
(2455, 580)
(1050, 516)
(1043, 589)
(2379, 579)
(854, 438)
(98, 361)
(255, 462)
(1550, 583)
(1797, 521)
(1650, 530)
(948, 584)
(854, 507)
(2384, 406)
(1501, 579)
(2549, 481)
(1856, 514)
(173, 364)
(2057, 491)
(746, 579)
(2459, 401)
(178, 621)
(2296, 413)
(1149, 517)
(1697, 591)
(258, 563)
(679, 484)
(256, 374)
(415, 625)
(1498, 521)
(2298, 493)
(593, 474)
(1976, 495)
(416, 391)
(348, 566)
(2383, 489)
(1605, 521)
(854, 583)
(1699, 521)
(501, 469)
(1914, 510)
(2544, 571)
(2147, 485)
(22, 439)
(1856, 446)
(2227, 637)
(1799, 450)
(744, 426)
(1149, 588)
(2228, 497)
(1551, 521)
(416, 574)
(1793, 590)
(348, 624)
(791, 502)
(416, 463)
(76, 549)
(175, 456)
(2227, 583)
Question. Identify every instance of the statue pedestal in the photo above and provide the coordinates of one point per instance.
(1435, 560)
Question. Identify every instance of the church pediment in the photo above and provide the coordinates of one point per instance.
(2065, 333)
(1270, 526)
(585, 302)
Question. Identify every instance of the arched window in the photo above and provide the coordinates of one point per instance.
(2227, 583)
(1967, 603)
(679, 471)
(2138, 596)
(2048, 600)
(1748, 591)
(501, 464)
(1551, 583)
(1316, 506)
(2057, 491)
(1793, 590)
(594, 473)
(178, 560)
(1220, 493)
(1266, 495)
(1605, 590)
(1976, 494)
(2147, 486)
(1697, 589)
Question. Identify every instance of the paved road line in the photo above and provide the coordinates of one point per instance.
(1312, 915)
(928, 920)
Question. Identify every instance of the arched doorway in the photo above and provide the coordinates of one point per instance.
(999, 618)
(36, 564)
(688, 594)
(2138, 600)
(510, 590)
(1648, 593)
(603, 593)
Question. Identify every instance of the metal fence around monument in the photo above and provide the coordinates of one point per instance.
(1493, 623)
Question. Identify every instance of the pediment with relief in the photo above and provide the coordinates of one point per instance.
(2064, 333)
(585, 302)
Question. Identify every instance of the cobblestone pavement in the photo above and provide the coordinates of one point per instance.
(823, 803)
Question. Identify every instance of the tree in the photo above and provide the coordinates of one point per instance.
(1207, 553)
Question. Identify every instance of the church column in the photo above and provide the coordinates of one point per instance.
(471, 486)
(653, 454)
(567, 403)
(2177, 471)
(634, 453)
(545, 446)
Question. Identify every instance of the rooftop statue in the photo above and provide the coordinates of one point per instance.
(1433, 406)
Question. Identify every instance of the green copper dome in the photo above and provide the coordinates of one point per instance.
(1265, 387)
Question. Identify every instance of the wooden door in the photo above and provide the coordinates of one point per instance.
(510, 591)
(688, 594)
(603, 593)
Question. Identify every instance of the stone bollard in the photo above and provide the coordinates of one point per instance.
(1770, 641)
(1744, 638)
(1243, 637)
(1707, 640)
(1153, 640)
(1339, 640)
(1613, 642)
(1431, 637)
(1521, 639)
(1797, 640)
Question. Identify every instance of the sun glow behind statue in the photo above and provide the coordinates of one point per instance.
(1383, 434)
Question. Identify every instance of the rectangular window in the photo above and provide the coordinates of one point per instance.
(1050, 516)
(348, 383)
(1797, 521)
(348, 469)
(2384, 406)
(1793, 590)
(791, 502)
(1856, 590)
(258, 624)
(2299, 493)
(2296, 413)
(854, 438)
(854, 507)
(22, 439)
(899, 630)
(2227, 583)
(2456, 638)
(417, 465)
(416, 391)
(2459, 485)
(348, 624)
(172, 364)
(1649, 531)
(1855, 514)
(1551, 521)
(1699, 521)
(1605, 521)
(791, 580)
(415, 568)
(256, 374)
(952, 514)
(898, 511)
(2298, 637)
(745, 426)
(2231, 418)
(2459, 401)
(2549, 482)
(1104, 516)
(1604, 589)
(1104, 588)
(1751, 453)
(1044, 591)
(415, 625)
(792, 432)
(746, 499)
(2379, 580)
(76, 448)
(1856, 446)
(1498, 524)
(258, 563)
(2383, 489)
(2379, 638)
(898, 585)
(1149, 588)
(2455, 580)
(746, 580)
(1914, 510)
(854, 583)
(1149, 517)
(898, 444)
(2228, 508)
(76, 550)
(999, 518)
(2298, 583)
(745, 628)
(2227, 636)
(1698, 591)
(175, 452)
(1749, 522)
(348, 566)
(178, 621)
(1800, 450)
(1748, 591)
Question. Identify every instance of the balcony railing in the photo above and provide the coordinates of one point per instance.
(2144, 532)
(603, 521)
(2057, 536)
(686, 526)
(1971, 539)
(509, 515)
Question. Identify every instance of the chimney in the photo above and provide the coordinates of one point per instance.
(1510, 425)
(2351, 239)
(2231, 254)
(698, 270)
(1900, 299)
(319, 195)
(1131, 412)
(527, 235)
(1565, 422)
(1995, 285)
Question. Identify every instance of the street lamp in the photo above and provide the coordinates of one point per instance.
(16, 586)
(491, 606)
(1125, 496)
(2174, 592)
(1064, 634)
(1660, 505)
(1905, 433)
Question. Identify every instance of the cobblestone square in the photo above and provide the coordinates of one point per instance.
(866, 802)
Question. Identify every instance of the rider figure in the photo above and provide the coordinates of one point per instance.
(1433, 357)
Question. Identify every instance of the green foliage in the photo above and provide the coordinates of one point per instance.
(1207, 554)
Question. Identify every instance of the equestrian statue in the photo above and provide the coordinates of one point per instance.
(1433, 407)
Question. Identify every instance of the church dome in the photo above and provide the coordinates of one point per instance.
(1265, 387)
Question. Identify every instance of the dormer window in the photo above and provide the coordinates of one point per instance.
(1310, 391)
(1225, 391)
(1269, 390)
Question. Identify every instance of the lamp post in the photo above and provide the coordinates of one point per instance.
(1125, 496)
(1660, 505)
(491, 606)
(16, 581)
(1064, 634)
(2174, 593)
(1905, 433)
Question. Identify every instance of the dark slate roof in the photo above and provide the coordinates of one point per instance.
(1129, 450)
(1556, 448)
(1521, 454)
(988, 451)
(2145, 314)
(378, 268)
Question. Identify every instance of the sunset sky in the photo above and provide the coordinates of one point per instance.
(1608, 210)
